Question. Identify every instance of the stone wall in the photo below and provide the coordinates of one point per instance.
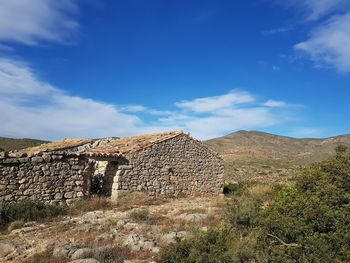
(179, 166)
(49, 178)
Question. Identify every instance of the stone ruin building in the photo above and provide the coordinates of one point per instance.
(168, 164)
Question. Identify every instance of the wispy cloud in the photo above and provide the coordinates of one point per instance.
(275, 31)
(314, 10)
(29, 22)
(275, 104)
(330, 31)
(327, 45)
(217, 115)
(215, 103)
(31, 107)
(307, 132)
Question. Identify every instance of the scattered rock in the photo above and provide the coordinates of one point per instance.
(6, 248)
(192, 217)
(130, 226)
(121, 223)
(60, 252)
(85, 260)
(30, 223)
(82, 253)
(172, 237)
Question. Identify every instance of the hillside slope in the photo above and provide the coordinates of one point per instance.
(257, 155)
(9, 144)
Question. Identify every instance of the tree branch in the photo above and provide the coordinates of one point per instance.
(284, 243)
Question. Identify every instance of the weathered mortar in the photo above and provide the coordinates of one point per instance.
(179, 166)
(49, 178)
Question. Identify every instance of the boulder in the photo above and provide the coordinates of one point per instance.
(82, 253)
(85, 260)
(6, 249)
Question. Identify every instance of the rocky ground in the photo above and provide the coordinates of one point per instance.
(124, 233)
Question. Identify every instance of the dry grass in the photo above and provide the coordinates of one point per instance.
(137, 199)
(45, 257)
(141, 215)
(107, 255)
(15, 225)
(195, 210)
(264, 192)
(210, 221)
(91, 204)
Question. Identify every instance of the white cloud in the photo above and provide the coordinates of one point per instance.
(143, 109)
(307, 133)
(134, 108)
(216, 125)
(328, 44)
(217, 115)
(276, 68)
(210, 104)
(316, 9)
(33, 108)
(275, 103)
(30, 21)
(275, 31)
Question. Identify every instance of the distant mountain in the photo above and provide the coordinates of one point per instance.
(251, 155)
(9, 144)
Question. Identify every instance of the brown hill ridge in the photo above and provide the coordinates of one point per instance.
(253, 154)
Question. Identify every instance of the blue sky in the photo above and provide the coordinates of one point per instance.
(99, 68)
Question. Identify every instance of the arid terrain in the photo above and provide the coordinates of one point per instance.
(130, 230)
(9, 144)
(136, 227)
(259, 156)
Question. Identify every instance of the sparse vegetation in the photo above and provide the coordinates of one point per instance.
(137, 199)
(15, 225)
(115, 254)
(9, 144)
(28, 210)
(45, 257)
(261, 157)
(304, 222)
(91, 204)
(141, 215)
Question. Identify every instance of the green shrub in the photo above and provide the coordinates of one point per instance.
(235, 188)
(311, 219)
(28, 210)
(114, 254)
(210, 246)
(308, 221)
(141, 215)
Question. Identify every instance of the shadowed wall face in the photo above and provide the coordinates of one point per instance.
(176, 167)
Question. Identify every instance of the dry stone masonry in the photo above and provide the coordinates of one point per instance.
(168, 164)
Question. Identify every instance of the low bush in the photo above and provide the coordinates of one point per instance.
(45, 257)
(234, 188)
(28, 210)
(310, 221)
(141, 215)
(115, 254)
(305, 222)
(15, 225)
(91, 204)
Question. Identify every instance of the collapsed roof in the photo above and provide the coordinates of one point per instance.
(106, 147)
